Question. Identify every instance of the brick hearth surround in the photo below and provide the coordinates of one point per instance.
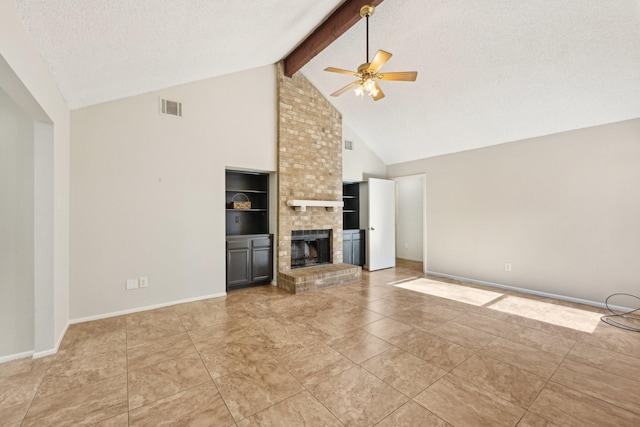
(309, 168)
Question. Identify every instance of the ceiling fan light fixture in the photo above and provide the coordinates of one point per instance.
(369, 85)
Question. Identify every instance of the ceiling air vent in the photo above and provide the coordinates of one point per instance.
(348, 145)
(172, 108)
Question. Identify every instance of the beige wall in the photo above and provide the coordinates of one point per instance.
(410, 218)
(29, 82)
(360, 163)
(16, 228)
(563, 209)
(148, 189)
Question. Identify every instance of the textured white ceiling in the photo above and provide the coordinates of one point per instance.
(489, 71)
(99, 50)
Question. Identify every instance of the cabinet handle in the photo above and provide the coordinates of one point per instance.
(372, 229)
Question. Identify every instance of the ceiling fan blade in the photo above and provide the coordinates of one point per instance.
(379, 95)
(406, 76)
(346, 88)
(379, 60)
(341, 71)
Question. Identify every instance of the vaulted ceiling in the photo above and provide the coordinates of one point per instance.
(489, 72)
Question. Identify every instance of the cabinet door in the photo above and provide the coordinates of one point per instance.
(347, 247)
(358, 248)
(261, 265)
(238, 263)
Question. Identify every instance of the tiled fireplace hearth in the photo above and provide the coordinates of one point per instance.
(309, 169)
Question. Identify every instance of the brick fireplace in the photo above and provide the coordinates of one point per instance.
(309, 168)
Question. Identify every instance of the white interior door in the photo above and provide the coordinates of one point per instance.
(382, 224)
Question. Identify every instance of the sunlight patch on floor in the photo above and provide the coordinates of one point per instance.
(450, 291)
(568, 317)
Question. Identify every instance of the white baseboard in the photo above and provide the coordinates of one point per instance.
(527, 291)
(37, 354)
(54, 350)
(49, 352)
(145, 308)
(16, 356)
(46, 353)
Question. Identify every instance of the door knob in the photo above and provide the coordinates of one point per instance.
(372, 229)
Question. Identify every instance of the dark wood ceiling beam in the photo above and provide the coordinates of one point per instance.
(333, 27)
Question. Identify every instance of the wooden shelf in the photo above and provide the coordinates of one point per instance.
(246, 191)
(301, 205)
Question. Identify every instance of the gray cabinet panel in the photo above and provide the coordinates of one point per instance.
(261, 267)
(353, 247)
(249, 260)
(238, 266)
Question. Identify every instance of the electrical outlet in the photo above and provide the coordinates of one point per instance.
(144, 282)
(132, 284)
(507, 266)
(406, 246)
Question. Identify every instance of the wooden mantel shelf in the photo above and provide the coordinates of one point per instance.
(301, 205)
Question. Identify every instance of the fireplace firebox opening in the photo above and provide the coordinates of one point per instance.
(310, 247)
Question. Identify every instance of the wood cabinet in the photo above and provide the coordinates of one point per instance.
(353, 247)
(249, 244)
(249, 260)
(352, 237)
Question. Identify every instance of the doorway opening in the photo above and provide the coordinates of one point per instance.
(411, 220)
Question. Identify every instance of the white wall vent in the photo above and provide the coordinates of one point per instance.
(348, 145)
(172, 108)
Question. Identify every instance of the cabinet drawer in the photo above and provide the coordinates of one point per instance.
(238, 244)
(262, 242)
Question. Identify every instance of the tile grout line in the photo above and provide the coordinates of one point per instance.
(205, 366)
(24, 417)
(126, 354)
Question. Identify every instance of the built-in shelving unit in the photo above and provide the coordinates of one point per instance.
(255, 186)
(249, 244)
(352, 237)
(351, 208)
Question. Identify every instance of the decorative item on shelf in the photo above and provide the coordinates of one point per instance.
(240, 204)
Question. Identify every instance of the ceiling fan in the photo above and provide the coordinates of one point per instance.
(368, 72)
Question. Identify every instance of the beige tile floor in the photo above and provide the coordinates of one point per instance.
(358, 355)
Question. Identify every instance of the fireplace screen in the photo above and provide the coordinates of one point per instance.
(310, 247)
